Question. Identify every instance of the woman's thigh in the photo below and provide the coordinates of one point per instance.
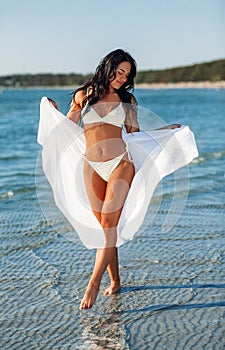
(95, 188)
(117, 190)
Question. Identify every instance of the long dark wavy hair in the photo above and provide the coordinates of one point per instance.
(104, 74)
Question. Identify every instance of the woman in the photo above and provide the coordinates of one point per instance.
(106, 157)
(104, 105)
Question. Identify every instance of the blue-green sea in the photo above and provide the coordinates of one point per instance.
(173, 294)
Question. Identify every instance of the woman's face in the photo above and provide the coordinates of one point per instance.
(122, 73)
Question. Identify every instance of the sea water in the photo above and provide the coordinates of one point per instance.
(173, 277)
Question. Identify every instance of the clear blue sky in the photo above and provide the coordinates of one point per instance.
(63, 36)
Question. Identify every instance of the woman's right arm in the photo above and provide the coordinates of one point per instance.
(76, 106)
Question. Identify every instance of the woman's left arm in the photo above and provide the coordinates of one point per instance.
(171, 126)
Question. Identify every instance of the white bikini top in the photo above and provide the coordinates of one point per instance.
(115, 117)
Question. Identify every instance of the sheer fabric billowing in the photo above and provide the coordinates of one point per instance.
(155, 153)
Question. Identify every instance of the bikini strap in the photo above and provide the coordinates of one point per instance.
(87, 92)
(87, 103)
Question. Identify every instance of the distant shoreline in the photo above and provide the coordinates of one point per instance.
(184, 85)
(152, 86)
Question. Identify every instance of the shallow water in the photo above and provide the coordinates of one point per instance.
(173, 294)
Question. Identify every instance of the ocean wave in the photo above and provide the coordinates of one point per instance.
(13, 157)
(19, 191)
(208, 156)
(13, 173)
(8, 194)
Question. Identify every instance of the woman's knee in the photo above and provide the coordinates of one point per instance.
(109, 220)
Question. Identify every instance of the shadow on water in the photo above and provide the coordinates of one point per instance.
(192, 286)
(181, 304)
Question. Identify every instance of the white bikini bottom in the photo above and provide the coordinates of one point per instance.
(105, 169)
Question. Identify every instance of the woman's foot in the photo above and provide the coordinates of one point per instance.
(113, 288)
(90, 296)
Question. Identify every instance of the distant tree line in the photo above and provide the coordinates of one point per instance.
(45, 79)
(211, 71)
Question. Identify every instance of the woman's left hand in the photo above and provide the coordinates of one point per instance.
(174, 126)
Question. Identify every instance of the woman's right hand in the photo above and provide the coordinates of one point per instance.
(53, 102)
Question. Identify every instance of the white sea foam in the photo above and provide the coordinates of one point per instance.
(7, 194)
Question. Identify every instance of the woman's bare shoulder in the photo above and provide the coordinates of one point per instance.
(79, 97)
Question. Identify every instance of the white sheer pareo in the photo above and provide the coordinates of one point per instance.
(155, 153)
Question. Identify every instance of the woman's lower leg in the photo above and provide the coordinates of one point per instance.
(103, 259)
(113, 270)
